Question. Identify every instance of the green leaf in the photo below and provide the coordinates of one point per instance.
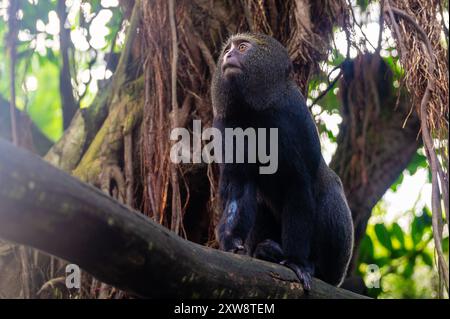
(395, 67)
(417, 229)
(366, 250)
(420, 225)
(337, 57)
(418, 161)
(330, 102)
(397, 232)
(382, 261)
(426, 216)
(397, 183)
(427, 259)
(44, 105)
(383, 236)
(397, 253)
(363, 4)
(409, 269)
(445, 245)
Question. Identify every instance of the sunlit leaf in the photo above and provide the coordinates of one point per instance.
(398, 253)
(417, 230)
(383, 236)
(426, 216)
(366, 250)
(363, 4)
(397, 183)
(445, 245)
(44, 105)
(418, 161)
(419, 224)
(427, 259)
(409, 269)
(330, 101)
(398, 234)
(383, 261)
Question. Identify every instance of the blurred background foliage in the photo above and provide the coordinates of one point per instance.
(94, 30)
(399, 235)
(397, 257)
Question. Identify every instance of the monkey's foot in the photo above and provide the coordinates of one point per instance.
(269, 250)
(302, 273)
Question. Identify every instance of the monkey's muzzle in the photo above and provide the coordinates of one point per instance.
(231, 66)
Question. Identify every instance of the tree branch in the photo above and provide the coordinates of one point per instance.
(46, 208)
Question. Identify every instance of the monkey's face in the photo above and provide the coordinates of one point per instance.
(234, 58)
(251, 68)
(253, 61)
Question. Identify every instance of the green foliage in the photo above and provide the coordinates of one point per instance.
(394, 65)
(39, 59)
(418, 161)
(398, 234)
(4, 82)
(403, 248)
(420, 225)
(363, 4)
(330, 102)
(383, 236)
(45, 103)
(403, 256)
(366, 251)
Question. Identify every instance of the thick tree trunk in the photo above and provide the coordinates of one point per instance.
(46, 208)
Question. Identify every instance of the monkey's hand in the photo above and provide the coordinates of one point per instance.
(233, 244)
(304, 274)
(231, 233)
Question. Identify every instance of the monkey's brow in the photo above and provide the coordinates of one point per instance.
(235, 42)
(239, 41)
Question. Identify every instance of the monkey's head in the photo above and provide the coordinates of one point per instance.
(250, 67)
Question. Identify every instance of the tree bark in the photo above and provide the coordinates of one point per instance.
(48, 209)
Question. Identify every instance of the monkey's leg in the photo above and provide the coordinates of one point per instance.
(238, 216)
(334, 236)
(269, 250)
(297, 230)
(265, 227)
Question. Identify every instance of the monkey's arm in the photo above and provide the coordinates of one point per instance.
(239, 209)
(297, 231)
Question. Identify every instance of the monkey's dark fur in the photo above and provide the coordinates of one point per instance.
(299, 215)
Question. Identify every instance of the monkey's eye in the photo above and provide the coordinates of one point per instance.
(242, 47)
